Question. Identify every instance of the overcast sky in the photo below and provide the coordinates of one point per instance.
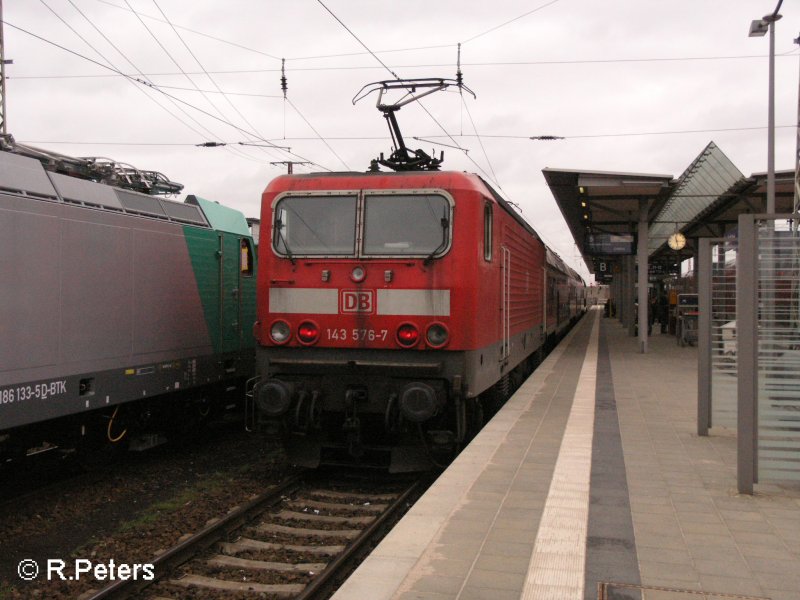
(633, 85)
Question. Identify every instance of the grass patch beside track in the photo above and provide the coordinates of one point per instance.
(201, 489)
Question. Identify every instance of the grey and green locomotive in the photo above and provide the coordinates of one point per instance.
(123, 315)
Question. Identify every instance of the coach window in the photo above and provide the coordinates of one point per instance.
(406, 225)
(487, 232)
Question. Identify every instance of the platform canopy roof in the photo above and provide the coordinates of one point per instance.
(704, 201)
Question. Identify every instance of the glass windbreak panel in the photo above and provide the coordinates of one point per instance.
(315, 225)
(724, 372)
(411, 224)
(778, 351)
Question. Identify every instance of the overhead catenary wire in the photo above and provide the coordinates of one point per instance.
(480, 141)
(517, 18)
(426, 138)
(209, 134)
(213, 81)
(338, 55)
(350, 31)
(99, 143)
(225, 92)
(424, 108)
(423, 139)
(200, 33)
(302, 116)
(183, 72)
(153, 87)
(298, 58)
(263, 53)
(624, 134)
(286, 100)
(518, 63)
(792, 50)
(273, 134)
(459, 80)
(106, 59)
(172, 99)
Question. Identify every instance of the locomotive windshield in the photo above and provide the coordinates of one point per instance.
(324, 225)
(397, 224)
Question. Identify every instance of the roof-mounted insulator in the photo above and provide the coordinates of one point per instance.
(284, 87)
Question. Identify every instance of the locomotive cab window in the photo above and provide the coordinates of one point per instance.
(487, 232)
(406, 225)
(315, 225)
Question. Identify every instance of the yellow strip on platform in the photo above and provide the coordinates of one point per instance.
(556, 569)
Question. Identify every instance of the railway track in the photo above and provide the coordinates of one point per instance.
(293, 541)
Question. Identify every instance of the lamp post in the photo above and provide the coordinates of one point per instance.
(759, 28)
(763, 339)
(796, 203)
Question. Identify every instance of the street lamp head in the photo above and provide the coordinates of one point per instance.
(759, 28)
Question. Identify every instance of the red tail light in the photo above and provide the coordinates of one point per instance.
(407, 335)
(308, 332)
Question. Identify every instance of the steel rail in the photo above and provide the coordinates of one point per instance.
(203, 539)
(335, 566)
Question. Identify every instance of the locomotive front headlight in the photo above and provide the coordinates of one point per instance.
(280, 332)
(407, 335)
(437, 335)
(358, 274)
(308, 332)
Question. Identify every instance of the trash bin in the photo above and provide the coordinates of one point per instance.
(686, 319)
(687, 327)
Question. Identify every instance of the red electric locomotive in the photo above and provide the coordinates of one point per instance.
(395, 310)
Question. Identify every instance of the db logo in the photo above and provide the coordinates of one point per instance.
(357, 301)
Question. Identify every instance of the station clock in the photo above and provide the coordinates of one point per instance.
(676, 241)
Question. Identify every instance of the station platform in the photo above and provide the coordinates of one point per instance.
(591, 482)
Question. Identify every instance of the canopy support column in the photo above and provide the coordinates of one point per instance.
(644, 271)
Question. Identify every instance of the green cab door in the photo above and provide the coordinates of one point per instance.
(237, 287)
(230, 297)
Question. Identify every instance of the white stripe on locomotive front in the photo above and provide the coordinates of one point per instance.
(427, 303)
(304, 301)
(433, 303)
